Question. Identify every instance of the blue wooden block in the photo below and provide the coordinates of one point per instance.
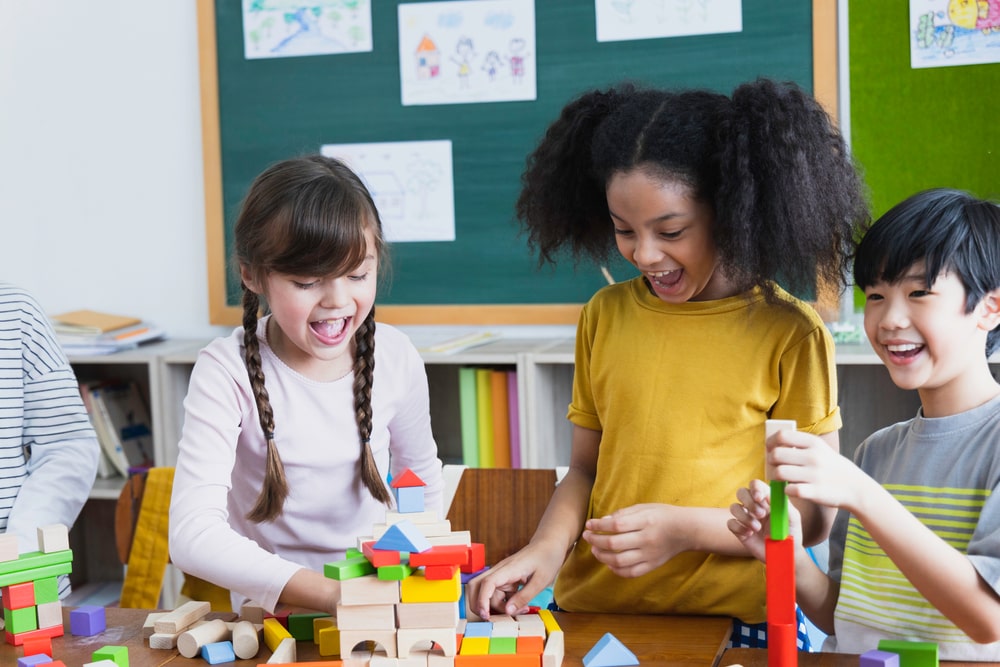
(876, 658)
(609, 652)
(409, 499)
(87, 620)
(32, 660)
(403, 536)
(478, 629)
(218, 652)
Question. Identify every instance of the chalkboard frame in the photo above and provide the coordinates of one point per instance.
(221, 312)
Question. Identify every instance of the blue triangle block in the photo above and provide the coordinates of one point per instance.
(403, 536)
(609, 652)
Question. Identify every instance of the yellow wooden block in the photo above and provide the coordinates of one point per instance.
(328, 638)
(549, 620)
(475, 646)
(274, 632)
(415, 588)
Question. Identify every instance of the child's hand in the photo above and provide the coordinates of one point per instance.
(634, 540)
(751, 517)
(510, 585)
(814, 472)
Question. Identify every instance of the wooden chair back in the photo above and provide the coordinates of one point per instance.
(501, 507)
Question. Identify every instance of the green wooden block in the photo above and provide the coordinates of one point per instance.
(116, 654)
(21, 620)
(46, 590)
(35, 559)
(352, 552)
(349, 568)
(503, 645)
(21, 576)
(911, 654)
(396, 572)
(300, 626)
(779, 511)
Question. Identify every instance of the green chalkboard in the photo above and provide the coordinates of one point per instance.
(913, 129)
(256, 112)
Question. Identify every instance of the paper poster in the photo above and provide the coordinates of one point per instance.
(412, 185)
(945, 33)
(620, 20)
(465, 52)
(282, 28)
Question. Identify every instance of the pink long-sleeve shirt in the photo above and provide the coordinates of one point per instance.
(220, 466)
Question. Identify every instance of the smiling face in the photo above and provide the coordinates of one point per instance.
(929, 343)
(314, 318)
(666, 233)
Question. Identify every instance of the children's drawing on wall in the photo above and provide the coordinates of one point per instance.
(621, 20)
(467, 51)
(412, 185)
(283, 28)
(945, 33)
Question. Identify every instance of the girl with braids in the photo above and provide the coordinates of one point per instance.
(712, 198)
(293, 421)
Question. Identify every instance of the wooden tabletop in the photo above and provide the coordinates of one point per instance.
(658, 641)
(757, 657)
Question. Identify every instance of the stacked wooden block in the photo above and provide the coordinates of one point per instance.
(29, 586)
(403, 590)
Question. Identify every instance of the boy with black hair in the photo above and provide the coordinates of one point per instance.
(915, 549)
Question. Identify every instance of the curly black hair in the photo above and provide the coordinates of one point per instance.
(787, 197)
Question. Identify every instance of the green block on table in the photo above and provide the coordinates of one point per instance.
(35, 559)
(46, 590)
(116, 654)
(911, 654)
(21, 620)
(349, 568)
(779, 511)
(503, 645)
(21, 576)
(396, 572)
(300, 626)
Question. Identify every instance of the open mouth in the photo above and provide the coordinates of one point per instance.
(904, 351)
(665, 279)
(329, 329)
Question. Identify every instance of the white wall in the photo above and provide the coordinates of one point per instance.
(101, 197)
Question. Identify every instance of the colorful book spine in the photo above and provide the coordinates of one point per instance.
(514, 416)
(501, 419)
(484, 415)
(467, 414)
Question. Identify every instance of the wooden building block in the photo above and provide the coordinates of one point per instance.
(474, 645)
(427, 615)
(116, 654)
(46, 590)
(182, 617)
(192, 640)
(911, 653)
(20, 621)
(406, 638)
(285, 651)
(246, 640)
(366, 617)
(410, 500)
(328, 640)
(780, 581)
(87, 620)
(436, 659)
(876, 658)
(34, 660)
(19, 639)
(368, 590)
(49, 614)
(463, 537)
(477, 558)
(18, 596)
(380, 557)
(217, 653)
(530, 644)
(38, 646)
(275, 633)
(555, 649)
(403, 536)
(427, 516)
(166, 641)
(503, 645)
(440, 572)
(444, 554)
(300, 625)
(349, 640)
(348, 568)
(416, 588)
(394, 572)
(8, 547)
(530, 625)
(53, 538)
(148, 628)
(609, 652)
(549, 621)
(253, 612)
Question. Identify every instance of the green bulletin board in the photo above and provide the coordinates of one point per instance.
(256, 112)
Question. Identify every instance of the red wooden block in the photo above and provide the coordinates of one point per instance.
(780, 555)
(440, 572)
(407, 478)
(19, 638)
(18, 596)
(477, 558)
(38, 646)
(781, 646)
(442, 554)
(379, 557)
(282, 617)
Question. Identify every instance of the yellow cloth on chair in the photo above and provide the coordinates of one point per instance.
(149, 555)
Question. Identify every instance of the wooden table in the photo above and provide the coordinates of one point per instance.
(658, 641)
(757, 657)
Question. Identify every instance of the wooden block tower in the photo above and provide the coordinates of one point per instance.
(403, 590)
(29, 585)
(782, 626)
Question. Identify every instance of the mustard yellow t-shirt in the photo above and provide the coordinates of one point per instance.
(680, 393)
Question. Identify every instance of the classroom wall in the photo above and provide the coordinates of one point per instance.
(101, 198)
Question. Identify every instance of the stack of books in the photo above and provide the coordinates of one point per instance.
(92, 332)
(121, 421)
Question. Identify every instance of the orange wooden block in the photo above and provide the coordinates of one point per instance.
(18, 596)
(379, 557)
(441, 554)
(38, 646)
(498, 660)
(21, 637)
(440, 572)
(528, 644)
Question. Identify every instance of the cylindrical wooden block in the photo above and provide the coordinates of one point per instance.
(189, 642)
(246, 643)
